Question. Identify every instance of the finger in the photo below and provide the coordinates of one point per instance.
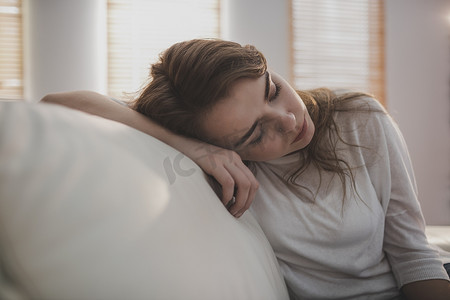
(254, 184)
(238, 208)
(243, 186)
(226, 181)
(251, 177)
(248, 203)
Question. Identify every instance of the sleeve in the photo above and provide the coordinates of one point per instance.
(405, 243)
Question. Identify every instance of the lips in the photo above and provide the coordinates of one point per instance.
(302, 132)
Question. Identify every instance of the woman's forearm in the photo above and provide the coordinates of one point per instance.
(437, 289)
(100, 105)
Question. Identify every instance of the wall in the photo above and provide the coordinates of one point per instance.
(66, 51)
(418, 94)
(262, 23)
(65, 46)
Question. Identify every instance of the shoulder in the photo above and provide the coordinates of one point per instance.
(350, 101)
(350, 106)
(364, 116)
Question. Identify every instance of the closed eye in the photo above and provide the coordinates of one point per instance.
(259, 138)
(276, 93)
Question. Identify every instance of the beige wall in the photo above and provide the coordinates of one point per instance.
(418, 94)
(65, 46)
(262, 23)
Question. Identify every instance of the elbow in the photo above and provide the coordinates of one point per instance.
(69, 99)
(51, 98)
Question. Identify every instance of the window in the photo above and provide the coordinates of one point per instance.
(338, 44)
(11, 73)
(138, 30)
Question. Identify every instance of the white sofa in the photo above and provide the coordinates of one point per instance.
(93, 209)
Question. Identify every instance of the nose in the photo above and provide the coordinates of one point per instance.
(286, 122)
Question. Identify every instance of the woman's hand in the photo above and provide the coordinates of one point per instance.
(232, 180)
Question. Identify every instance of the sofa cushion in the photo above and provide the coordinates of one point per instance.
(93, 209)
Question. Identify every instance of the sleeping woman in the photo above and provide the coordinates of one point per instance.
(326, 173)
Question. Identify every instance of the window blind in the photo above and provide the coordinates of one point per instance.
(11, 73)
(338, 44)
(138, 30)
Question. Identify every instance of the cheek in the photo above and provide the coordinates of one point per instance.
(269, 150)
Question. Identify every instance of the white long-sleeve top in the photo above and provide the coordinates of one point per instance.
(363, 247)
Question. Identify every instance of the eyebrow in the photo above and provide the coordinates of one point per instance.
(253, 127)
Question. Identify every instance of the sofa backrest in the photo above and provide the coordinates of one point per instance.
(93, 209)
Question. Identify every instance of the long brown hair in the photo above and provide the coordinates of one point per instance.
(322, 104)
(192, 76)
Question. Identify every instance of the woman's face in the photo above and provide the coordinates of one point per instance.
(261, 119)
